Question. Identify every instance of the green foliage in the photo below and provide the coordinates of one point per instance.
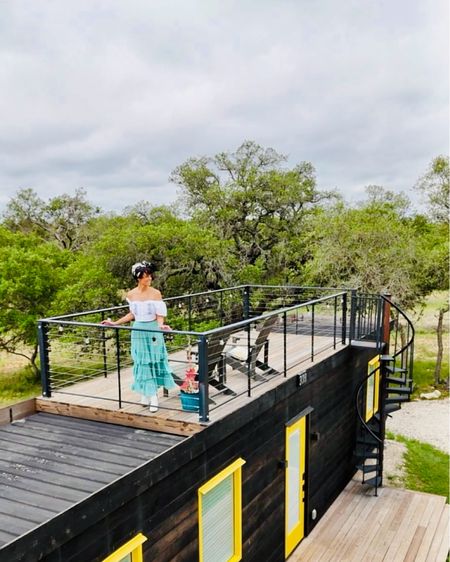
(372, 248)
(188, 256)
(249, 198)
(30, 276)
(435, 185)
(427, 468)
(433, 255)
(61, 219)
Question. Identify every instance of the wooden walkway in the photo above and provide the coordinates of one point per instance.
(397, 526)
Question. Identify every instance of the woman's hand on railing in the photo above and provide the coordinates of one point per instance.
(166, 328)
(107, 322)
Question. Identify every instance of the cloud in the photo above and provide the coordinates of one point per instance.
(112, 96)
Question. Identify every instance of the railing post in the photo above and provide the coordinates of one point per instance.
(246, 302)
(334, 322)
(344, 317)
(378, 327)
(118, 366)
(103, 338)
(249, 362)
(384, 361)
(353, 307)
(203, 378)
(386, 323)
(285, 343)
(44, 359)
(190, 313)
(312, 333)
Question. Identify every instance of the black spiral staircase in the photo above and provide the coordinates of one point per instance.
(395, 387)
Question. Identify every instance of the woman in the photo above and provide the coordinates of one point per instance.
(150, 362)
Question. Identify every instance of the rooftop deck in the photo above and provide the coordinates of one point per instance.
(241, 341)
(397, 526)
(98, 398)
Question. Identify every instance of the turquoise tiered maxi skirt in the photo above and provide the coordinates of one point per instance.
(150, 361)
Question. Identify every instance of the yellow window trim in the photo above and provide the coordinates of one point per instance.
(129, 548)
(235, 470)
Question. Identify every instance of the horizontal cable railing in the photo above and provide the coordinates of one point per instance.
(234, 339)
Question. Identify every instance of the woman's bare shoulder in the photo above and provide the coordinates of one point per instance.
(131, 294)
(156, 295)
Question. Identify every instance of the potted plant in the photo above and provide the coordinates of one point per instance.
(189, 395)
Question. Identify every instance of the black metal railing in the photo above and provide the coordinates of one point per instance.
(366, 318)
(217, 331)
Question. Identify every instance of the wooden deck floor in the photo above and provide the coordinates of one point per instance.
(397, 526)
(98, 398)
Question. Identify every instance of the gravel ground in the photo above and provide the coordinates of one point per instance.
(424, 420)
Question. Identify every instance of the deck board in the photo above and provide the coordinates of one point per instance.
(397, 526)
(48, 463)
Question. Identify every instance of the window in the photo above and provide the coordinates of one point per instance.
(220, 519)
(373, 388)
(129, 552)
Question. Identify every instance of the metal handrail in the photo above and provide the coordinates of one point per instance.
(340, 306)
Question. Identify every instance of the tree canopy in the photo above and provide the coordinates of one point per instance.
(30, 277)
(248, 197)
(61, 219)
(435, 185)
(370, 247)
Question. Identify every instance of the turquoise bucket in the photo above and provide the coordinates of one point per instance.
(189, 402)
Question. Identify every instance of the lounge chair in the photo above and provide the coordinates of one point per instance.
(244, 357)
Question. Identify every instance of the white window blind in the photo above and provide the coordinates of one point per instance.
(218, 524)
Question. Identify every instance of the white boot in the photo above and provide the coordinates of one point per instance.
(145, 400)
(154, 403)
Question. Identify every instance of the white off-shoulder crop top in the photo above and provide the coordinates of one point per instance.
(146, 311)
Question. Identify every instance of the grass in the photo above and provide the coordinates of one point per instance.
(425, 348)
(426, 468)
(17, 386)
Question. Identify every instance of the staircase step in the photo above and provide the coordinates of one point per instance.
(396, 380)
(368, 440)
(395, 399)
(393, 370)
(365, 343)
(391, 408)
(374, 423)
(399, 390)
(376, 481)
(366, 468)
(364, 453)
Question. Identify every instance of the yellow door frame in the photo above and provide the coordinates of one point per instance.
(295, 429)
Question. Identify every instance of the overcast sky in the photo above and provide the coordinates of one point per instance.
(112, 95)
